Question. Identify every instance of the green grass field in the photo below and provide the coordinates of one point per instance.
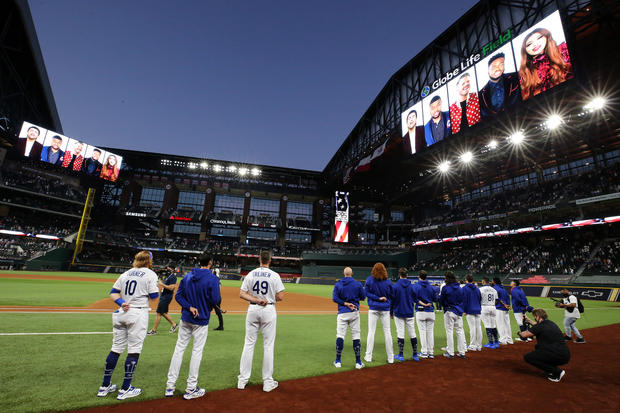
(64, 371)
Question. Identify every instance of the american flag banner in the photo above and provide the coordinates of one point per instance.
(342, 217)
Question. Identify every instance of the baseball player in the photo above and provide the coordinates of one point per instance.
(519, 306)
(131, 292)
(488, 298)
(425, 314)
(379, 292)
(501, 315)
(198, 291)
(402, 307)
(348, 293)
(167, 292)
(472, 310)
(262, 287)
(452, 302)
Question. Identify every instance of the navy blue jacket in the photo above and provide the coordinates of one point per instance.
(348, 290)
(404, 298)
(502, 295)
(471, 299)
(519, 300)
(426, 293)
(199, 289)
(376, 289)
(452, 298)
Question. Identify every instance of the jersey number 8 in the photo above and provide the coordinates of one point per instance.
(261, 287)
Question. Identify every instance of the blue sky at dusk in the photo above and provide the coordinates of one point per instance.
(268, 82)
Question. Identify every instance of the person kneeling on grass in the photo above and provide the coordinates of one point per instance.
(551, 350)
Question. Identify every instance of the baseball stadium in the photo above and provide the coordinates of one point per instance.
(490, 159)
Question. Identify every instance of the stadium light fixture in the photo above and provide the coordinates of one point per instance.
(204, 165)
(243, 171)
(516, 138)
(492, 144)
(595, 104)
(232, 168)
(255, 171)
(444, 167)
(192, 165)
(554, 122)
(217, 168)
(467, 157)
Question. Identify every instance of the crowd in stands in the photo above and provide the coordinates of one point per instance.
(606, 260)
(48, 225)
(23, 247)
(42, 184)
(562, 256)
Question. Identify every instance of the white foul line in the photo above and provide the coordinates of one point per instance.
(57, 333)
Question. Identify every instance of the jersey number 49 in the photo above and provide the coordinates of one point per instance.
(261, 287)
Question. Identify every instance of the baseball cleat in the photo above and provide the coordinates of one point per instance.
(130, 392)
(556, 378)
(461, 355)
(169, 392)
(337, 364)
(423, 355)
(151, 333)
(580, 340)
(104, 391)
(174, 328)
(399, 357)
(448, 355)
(390, 361)
(567, 338)
(415, 357)
(490, 345)
(270, 386)
(241, 385)
(194, 393)
(471, 348)
(359, 366)
(368, 359)
(431, 356)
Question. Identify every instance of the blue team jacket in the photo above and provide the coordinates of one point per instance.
(502, 295)
(452, 298)
(376, 289)
(200, 289)
(426, 293)
(519, 300)
(404, 298)
(471, 299)
(348, 290)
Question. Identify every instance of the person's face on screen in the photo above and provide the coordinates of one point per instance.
(462, 87)
(496, 69)
(56, 144)
(112, 160)
(77, 149)
(436, 109)
(33, 134)
(412, 118)
(96, 155)
(535, 44)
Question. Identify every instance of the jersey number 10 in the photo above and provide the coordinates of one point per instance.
(261, 287)
(130, 287)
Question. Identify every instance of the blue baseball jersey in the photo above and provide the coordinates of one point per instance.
(348, 290)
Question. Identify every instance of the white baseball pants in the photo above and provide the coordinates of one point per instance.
(519, 318)
(488, 316)
(503, 327)
(129, 329)
(259, 319)
(187, 331)
(401, 323)
(475, 330)
(454, 323)
(426, 325)
(348, 320)
(384, 316)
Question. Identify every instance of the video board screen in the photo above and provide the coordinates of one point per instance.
(502, 74)
(35, 142)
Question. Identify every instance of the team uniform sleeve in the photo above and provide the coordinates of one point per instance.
(368, 291)
(245, 285)
(180, 295)
(118, 285)
(336, 295)
(214, 296)
(153, 290)
(279, 285)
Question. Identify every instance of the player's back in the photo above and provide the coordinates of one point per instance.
(263, 283)
(136, 284)
(488, 295)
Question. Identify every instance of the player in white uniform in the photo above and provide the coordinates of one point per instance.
(131, 292)
(262, 287)
(488, 296)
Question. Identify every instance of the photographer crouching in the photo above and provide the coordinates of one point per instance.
(551, 350)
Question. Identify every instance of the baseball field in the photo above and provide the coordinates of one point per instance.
(56, 333)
